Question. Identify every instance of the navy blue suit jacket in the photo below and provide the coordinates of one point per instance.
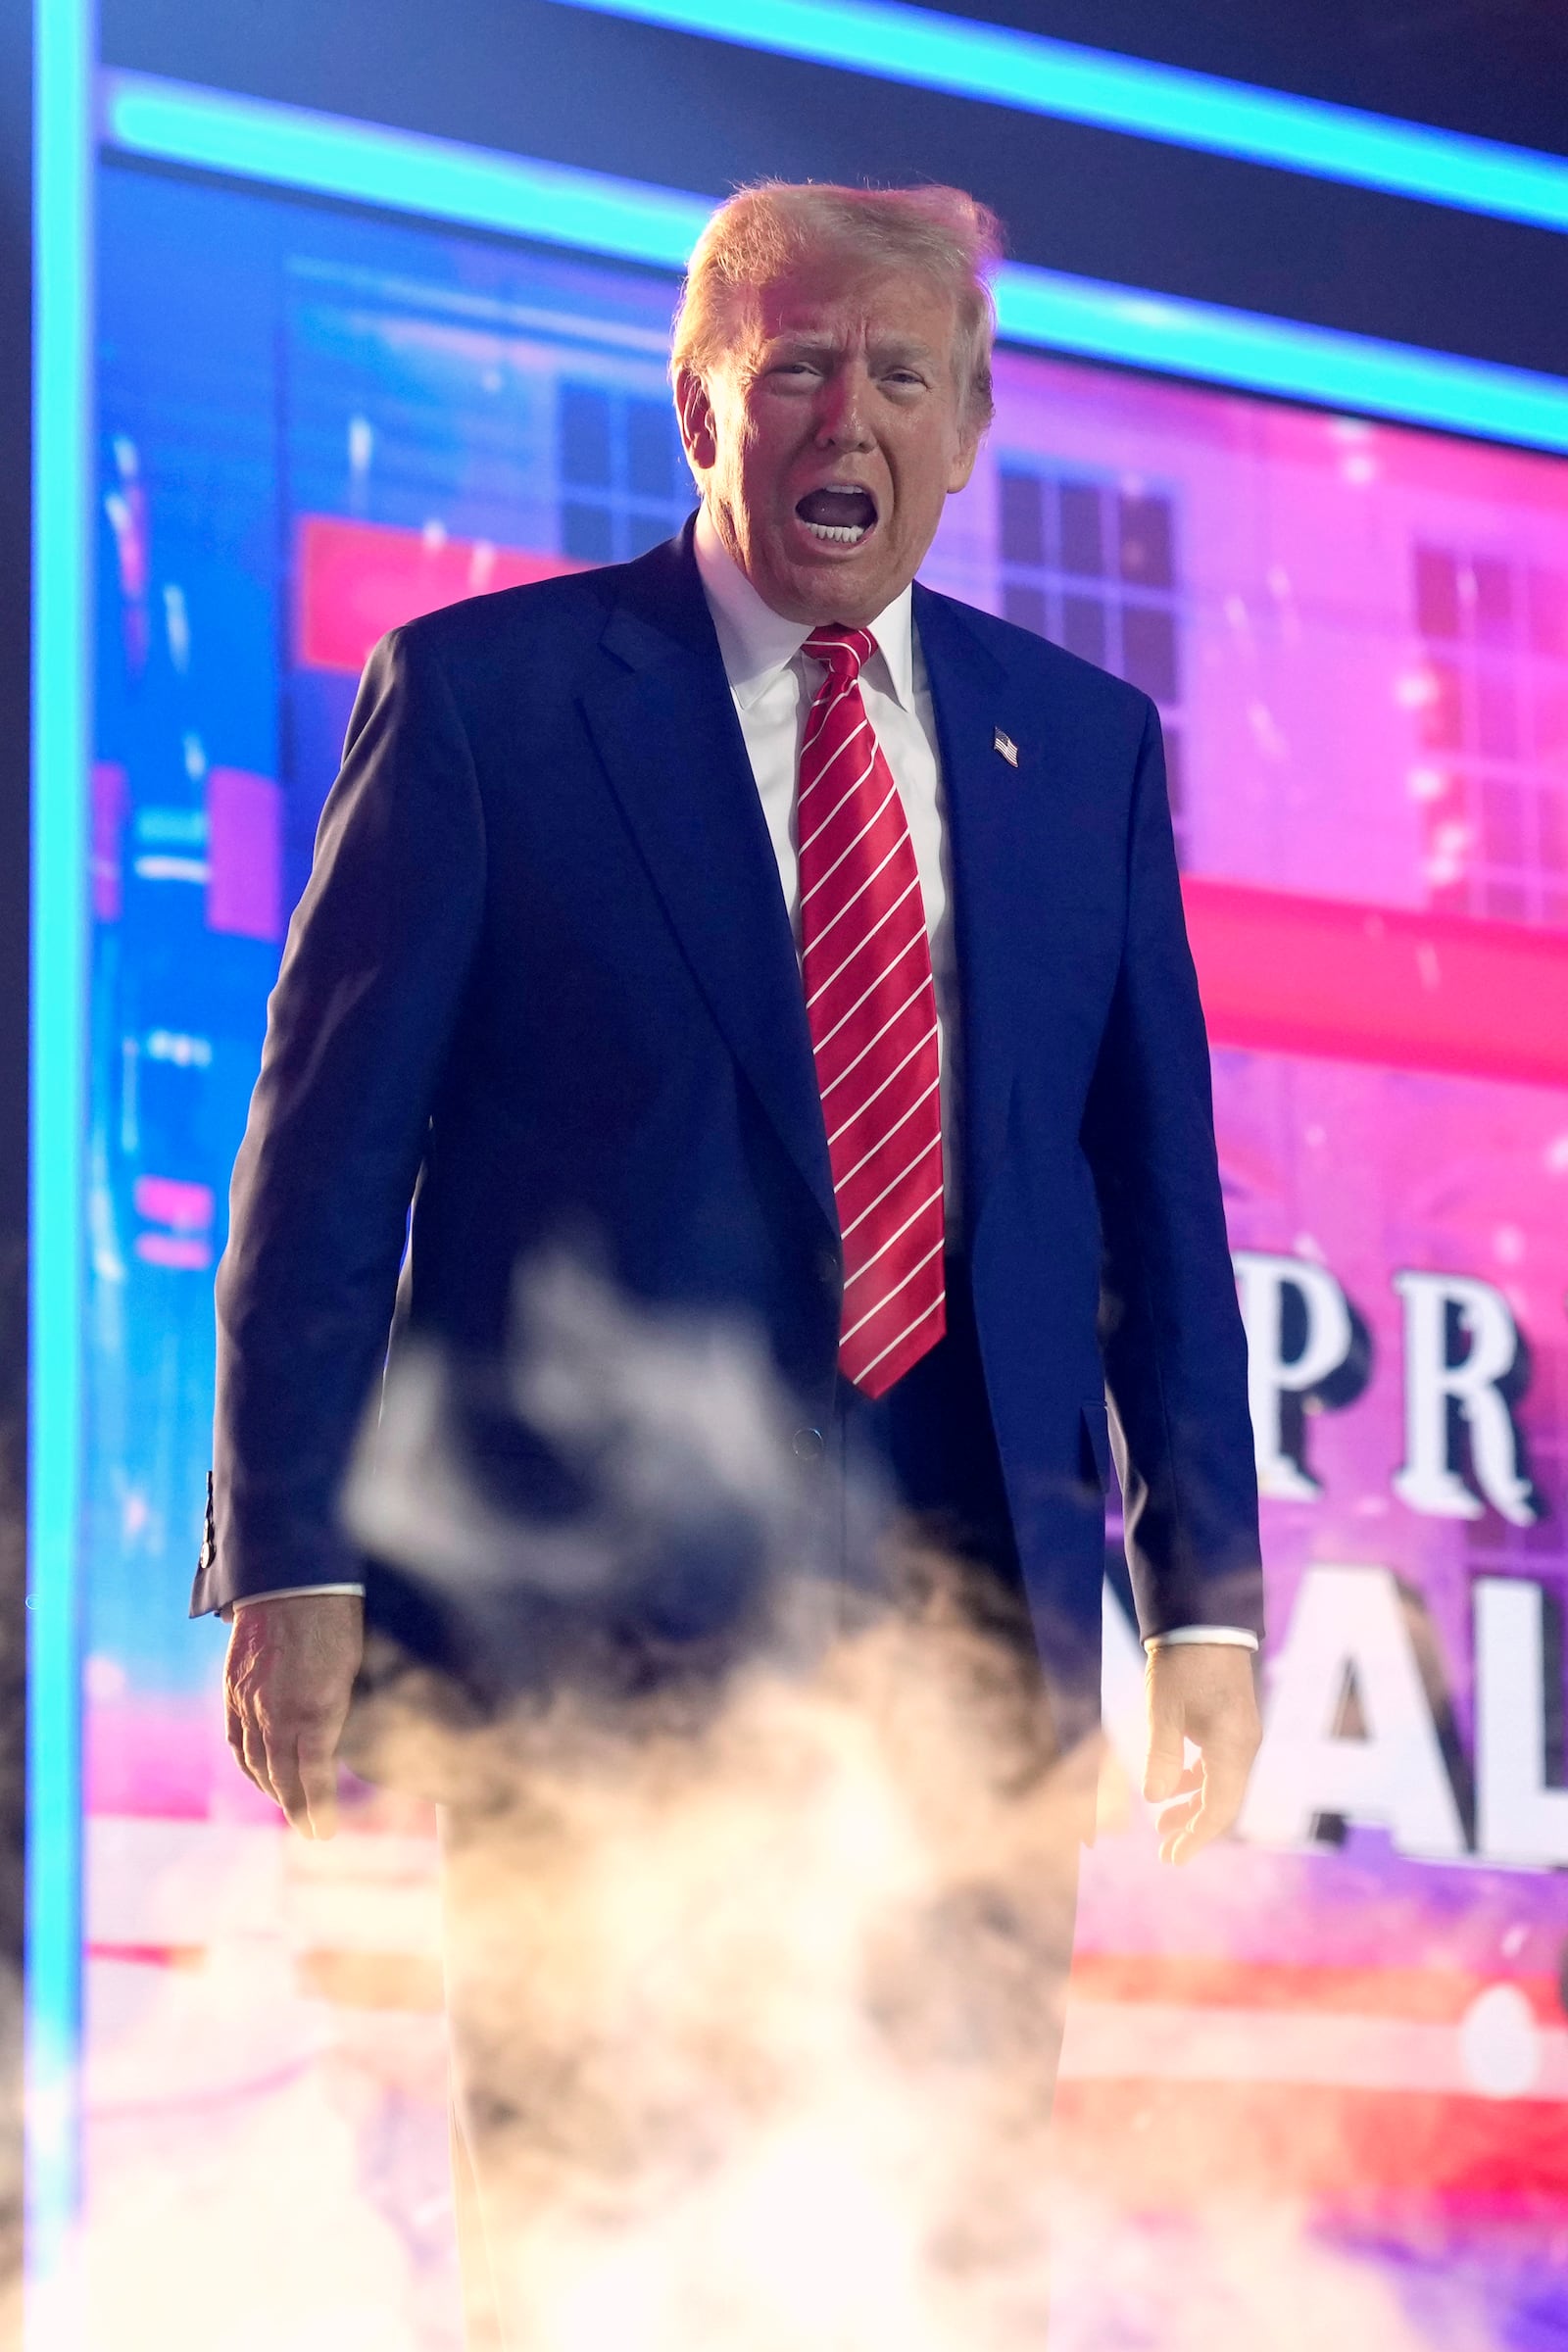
(543, 977)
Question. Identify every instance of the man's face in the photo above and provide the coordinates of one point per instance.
(829, 440)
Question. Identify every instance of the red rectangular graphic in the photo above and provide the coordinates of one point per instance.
(356, 580)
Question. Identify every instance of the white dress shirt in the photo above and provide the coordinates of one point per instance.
(773, 682)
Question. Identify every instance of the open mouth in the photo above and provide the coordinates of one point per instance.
(840, 514)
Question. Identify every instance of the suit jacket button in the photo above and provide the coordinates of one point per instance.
(827, 1267)
(209, 1551)
(807, 1444)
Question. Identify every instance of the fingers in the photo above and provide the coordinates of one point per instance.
(252, 1751)
(317, 1761)
(249, 1746)
(1165, 1762)
(300, 1771)
(242, 1723)
(1180, 1810)
(297, 1770)
(1208, 1810)
(1225, 1775)
(288, 1785)
(289, 1684)
(234, 1732)
(1176, 1830)
(305, 1777)
(1202, 1693)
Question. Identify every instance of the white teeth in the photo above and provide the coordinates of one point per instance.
(844, 534)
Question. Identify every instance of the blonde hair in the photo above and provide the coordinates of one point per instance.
(767, 230)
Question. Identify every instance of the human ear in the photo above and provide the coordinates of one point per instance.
(696, 414)
(964, 458)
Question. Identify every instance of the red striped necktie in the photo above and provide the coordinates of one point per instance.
(869, 998)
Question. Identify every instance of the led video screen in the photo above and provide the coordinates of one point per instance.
(314, 425)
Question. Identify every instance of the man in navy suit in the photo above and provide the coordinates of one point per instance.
(811, 944)
(547, 973)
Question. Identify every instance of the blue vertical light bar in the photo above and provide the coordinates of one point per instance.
(61, 475)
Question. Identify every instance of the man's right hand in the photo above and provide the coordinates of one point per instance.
(286, 1686)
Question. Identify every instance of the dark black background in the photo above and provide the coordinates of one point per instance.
(16, 468)
(16, 457)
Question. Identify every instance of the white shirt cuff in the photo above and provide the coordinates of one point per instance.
(1228, 1636)
(295, 1592)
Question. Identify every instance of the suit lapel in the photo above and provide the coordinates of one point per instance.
(972, 696)
(666, 728)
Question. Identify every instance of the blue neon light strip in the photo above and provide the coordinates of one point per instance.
(62, 705)
(1279, 356)
(360, 163)
(330, 155)
(1037, 76)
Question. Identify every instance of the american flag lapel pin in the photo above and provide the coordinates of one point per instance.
(1001, 742)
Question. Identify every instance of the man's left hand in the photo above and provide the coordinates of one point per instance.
(1200, 1692)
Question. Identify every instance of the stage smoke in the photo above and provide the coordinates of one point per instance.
(756, 1923)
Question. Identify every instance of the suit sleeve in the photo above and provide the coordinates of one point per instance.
(358, 1026)
(1171, 1329)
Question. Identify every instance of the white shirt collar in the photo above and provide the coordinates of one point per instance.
(757, 644)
